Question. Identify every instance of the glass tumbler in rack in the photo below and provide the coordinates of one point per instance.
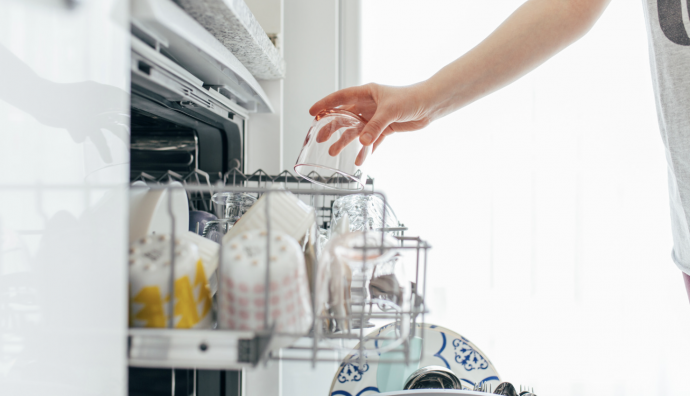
(364, 211)
(331, 130)
(372, 256)
(233, 206)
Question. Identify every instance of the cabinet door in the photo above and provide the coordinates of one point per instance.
(64, 159)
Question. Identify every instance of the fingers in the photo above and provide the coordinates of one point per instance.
(378, 142)
(334, 125)
(347, 96)
(378, 123)
(326, 132)
(362, 156)
(348, 137)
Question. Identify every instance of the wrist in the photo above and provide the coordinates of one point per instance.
(439, 97)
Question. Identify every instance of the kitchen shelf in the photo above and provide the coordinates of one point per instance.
(234, 25)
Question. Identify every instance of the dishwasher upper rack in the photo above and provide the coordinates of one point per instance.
(201, 200)
(233, 349)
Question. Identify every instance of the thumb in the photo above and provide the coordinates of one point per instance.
(378, 123)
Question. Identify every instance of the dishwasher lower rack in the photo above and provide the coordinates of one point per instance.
(233, 349)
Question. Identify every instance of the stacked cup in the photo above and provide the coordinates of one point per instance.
(150, 276)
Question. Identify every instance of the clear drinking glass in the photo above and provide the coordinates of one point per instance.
(364, 252)
(317, 165)
(234, 206)
(214, 230)
(365, 212)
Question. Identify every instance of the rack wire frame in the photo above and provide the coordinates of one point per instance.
(201, 190)
(201, 200)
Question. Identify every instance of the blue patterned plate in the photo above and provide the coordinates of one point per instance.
(377, 372)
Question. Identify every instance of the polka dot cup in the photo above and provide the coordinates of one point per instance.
(243, 294)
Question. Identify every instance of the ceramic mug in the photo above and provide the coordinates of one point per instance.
(247, 301)
(150, 267)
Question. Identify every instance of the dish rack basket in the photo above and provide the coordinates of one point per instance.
(201, 200)
(234, 349)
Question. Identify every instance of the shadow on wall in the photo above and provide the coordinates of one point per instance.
(85, 109)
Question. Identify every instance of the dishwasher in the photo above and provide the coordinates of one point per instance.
(188, 140)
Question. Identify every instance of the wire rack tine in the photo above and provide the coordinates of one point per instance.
(145, 177)
(170, 176)
(235, 173)
(200, 196)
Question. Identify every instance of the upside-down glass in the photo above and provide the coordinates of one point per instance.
(315, 162)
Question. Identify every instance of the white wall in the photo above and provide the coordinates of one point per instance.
(269, 14)
(321, 46)
(311, 50)
(350, 43)
(264, 134)
(264, 137)
(546, 203)
(311, 55)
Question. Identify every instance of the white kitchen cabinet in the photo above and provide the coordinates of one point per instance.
(64, 109)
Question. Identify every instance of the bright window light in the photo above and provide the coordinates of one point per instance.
(545, 203)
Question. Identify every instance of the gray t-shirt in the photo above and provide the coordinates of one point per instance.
(668, 28)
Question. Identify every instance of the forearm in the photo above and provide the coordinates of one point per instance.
(532, 34)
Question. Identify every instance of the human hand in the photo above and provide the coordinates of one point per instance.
(387, 110)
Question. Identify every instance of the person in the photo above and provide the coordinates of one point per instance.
(536, 31)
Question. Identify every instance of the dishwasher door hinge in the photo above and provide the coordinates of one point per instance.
(253, 350)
